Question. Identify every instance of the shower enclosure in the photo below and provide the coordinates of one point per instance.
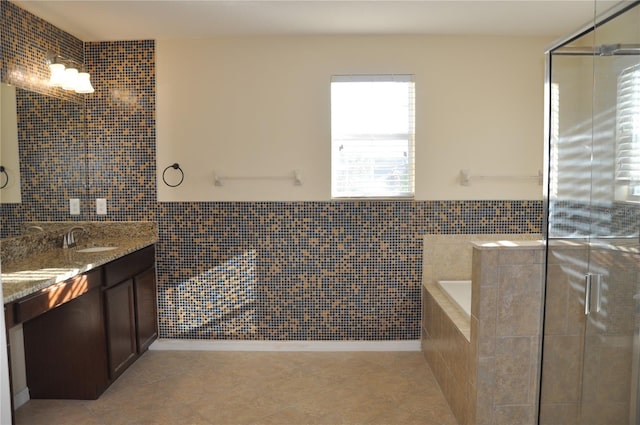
(591, 346)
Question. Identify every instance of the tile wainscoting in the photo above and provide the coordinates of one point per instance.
(309, 270)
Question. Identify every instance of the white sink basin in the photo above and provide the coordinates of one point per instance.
(97, 249)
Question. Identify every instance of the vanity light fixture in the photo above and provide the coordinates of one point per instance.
(70, 78)
(68, 74)
(83, 82)
(57, 72)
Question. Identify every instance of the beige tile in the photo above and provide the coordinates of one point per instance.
(559, 414)
(512, 369)
(566, 272)
(520, 256)
(253, 388)
(556, 301)
(616, 358)
(485, 267)
(519, 300)
(486, 383)
(409, 418)
(487, 324)
(534, 371)
(475, 297)
(562, 369)
(510, 415)
(604, 413)
(53, 412)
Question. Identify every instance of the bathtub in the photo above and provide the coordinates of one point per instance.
(458, 292)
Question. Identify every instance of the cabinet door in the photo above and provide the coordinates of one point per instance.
(65, 350)
(121, 330)
(146, 323)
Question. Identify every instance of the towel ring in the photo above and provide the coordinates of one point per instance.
(175, 166)
(6, 176)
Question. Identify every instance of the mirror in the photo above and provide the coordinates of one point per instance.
(52, 159)
(10, 171)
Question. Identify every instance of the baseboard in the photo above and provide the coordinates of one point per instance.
(229, 345)
(21, 398)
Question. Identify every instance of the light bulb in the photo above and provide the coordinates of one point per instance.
(57, 77)
(70, 78)
(84, 83)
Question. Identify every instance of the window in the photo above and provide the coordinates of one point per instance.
(372, 136)
(628, 133)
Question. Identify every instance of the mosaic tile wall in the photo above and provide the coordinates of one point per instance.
(115, 159)
(308, 270)
(52, 167)
(25, 40)
(264, 270)
(121, 130)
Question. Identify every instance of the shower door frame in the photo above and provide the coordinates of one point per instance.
(556, 49)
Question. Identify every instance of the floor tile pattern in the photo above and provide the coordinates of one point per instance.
(225, 388)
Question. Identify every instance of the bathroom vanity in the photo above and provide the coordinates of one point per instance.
(82, 331)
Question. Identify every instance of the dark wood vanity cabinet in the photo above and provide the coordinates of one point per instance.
(144, 285)
(65, 347)
(121, 327)
(130, 308)
(80, 335)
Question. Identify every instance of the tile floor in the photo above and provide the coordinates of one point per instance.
(182, 388)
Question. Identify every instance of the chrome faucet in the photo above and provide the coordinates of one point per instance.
(69, 241)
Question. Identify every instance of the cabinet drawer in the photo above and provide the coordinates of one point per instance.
(55, 295)
(123, 268)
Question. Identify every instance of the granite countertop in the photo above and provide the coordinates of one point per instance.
(25, 276)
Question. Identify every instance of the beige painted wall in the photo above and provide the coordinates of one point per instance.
(259, 106)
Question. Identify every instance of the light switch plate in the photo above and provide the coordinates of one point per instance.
(101, 206)
(74, 206)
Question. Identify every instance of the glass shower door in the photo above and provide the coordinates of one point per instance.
(609, 389)
(569, 232)
(590, 345)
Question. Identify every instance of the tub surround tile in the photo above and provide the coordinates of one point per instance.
(449, 257)
(512, 367)
(484, 396)
(509, 415)
(446, 350)
(514, 316)
(496, 371)
(518, 285)
(451, 311)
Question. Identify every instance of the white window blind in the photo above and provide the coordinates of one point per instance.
(372, 136)
(628, 126)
